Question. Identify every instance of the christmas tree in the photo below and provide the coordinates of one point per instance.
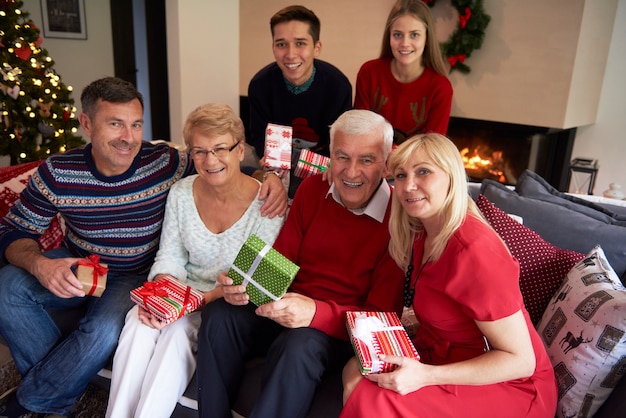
(37, 113)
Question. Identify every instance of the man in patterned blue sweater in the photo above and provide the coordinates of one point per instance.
(111, 194)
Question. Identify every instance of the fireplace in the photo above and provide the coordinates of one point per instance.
(502, 151)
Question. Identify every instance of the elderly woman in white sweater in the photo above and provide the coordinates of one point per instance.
(208, 217)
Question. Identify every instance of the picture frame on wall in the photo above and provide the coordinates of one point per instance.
(64, 19)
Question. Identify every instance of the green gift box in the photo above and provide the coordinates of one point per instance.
(266, 273)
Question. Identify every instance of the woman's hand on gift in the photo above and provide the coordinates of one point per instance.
(291, 311)
(150, 320)
(408, 377)
(233, 294)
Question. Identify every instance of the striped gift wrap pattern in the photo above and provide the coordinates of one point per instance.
(310, 164)
(166, 298)
(384, 334)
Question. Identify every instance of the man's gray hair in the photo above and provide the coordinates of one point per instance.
(362, 122)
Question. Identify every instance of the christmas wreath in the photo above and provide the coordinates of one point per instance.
(468, 35)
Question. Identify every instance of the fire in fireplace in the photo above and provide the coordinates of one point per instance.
(482, 162)
(502, 151)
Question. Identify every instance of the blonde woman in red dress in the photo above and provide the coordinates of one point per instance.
(480, 354)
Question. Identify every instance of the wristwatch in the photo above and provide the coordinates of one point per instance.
(267, 173)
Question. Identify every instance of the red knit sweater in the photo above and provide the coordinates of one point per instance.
(421, 106)
(343, 258)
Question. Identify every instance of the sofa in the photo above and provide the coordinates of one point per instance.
(555, 237)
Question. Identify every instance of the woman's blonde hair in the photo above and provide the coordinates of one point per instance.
(213, 119)
(404, 228)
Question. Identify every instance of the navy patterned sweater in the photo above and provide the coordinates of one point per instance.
(118, 218)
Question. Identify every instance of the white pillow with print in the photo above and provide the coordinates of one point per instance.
(584, 330)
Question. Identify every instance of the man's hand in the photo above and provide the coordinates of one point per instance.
(55, 274)
(233, 294)
(275, 196)
(291, 311)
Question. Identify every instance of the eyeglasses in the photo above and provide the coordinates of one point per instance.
(220, 152)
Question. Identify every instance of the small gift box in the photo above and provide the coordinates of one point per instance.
(376, 333)
(310, 163)
(92, 275)
(266, 272)
(167, 298)
(278, 146)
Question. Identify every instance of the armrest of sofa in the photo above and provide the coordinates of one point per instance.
(13, 180)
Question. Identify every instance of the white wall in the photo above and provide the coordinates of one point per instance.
(606, 139)
(203, 56)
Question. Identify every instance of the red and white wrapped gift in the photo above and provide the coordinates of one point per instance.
(167, 298)
(92, 275)
(376, 333)
(278, 143)
(310, 164)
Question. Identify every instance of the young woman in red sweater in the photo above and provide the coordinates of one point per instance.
(407, 84)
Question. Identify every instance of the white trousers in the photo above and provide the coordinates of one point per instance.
(152, 368)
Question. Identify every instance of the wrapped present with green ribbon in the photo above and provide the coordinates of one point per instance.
(311, 163)
(265, 272)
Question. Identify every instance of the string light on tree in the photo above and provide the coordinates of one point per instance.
(38, 113)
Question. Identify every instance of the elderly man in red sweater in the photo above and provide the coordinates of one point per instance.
(338, 235)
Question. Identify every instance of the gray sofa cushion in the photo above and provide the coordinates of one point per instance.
(562, 226)
(531, 185)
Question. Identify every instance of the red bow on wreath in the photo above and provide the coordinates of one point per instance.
(456, 58)
(463, 19)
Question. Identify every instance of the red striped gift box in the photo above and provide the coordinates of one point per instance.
(278, 146)
(376, 333)
(167, 298)
(311, 163)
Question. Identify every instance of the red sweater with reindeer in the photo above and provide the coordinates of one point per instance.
(420, 106)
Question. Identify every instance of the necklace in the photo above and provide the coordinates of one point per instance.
(409, 288)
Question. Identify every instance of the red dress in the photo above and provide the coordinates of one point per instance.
(475, 279)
